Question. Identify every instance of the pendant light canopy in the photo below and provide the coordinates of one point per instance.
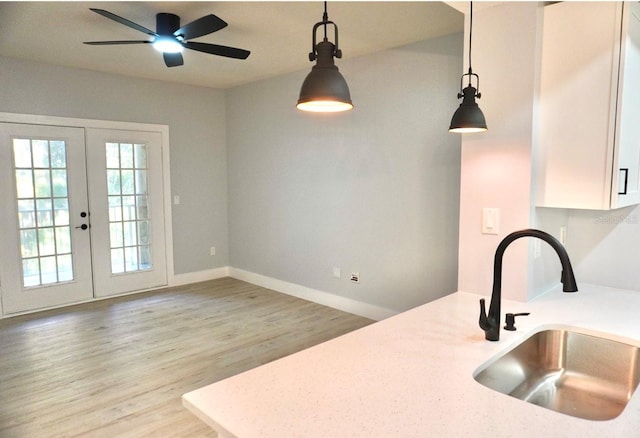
(468, 117)
(324, 89)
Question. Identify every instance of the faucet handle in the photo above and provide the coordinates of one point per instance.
(485, 322)
(510, 320)
(490, 325)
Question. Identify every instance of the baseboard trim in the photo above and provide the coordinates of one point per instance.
(366, 310)
(196, 277)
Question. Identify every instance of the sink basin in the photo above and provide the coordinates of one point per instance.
(567, 371)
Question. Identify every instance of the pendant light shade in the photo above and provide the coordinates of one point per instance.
(469, 117)
(324, 89)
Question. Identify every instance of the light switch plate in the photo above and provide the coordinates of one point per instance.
(490, 221)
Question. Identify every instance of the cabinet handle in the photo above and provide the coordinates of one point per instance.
(626, 180)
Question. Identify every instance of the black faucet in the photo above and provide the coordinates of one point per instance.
(491, 323)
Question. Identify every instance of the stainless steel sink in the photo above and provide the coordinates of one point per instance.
(569, 372)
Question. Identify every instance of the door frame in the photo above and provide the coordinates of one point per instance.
(127, 126)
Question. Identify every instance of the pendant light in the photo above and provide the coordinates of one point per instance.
(468, 117)
(324, 89)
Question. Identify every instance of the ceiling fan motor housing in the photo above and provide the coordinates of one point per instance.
(166, 23)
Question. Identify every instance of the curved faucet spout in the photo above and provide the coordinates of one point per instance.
(490, 322)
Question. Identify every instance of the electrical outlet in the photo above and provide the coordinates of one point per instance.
(336, 272)
(212, 250)
(355, 277)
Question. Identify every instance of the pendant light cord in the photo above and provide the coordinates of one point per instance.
(325, 18)
(470, 33)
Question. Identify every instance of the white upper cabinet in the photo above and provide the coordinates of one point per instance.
(589, 138)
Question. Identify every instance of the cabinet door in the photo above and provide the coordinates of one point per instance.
(626, 182)
(579, 77)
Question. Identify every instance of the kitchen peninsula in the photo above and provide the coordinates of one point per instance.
(411, 375)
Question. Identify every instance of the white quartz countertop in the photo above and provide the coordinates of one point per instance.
(412, 376)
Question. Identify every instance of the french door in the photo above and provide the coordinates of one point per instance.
(82, 214)
(127, 210)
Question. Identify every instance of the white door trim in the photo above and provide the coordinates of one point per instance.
(33, 119)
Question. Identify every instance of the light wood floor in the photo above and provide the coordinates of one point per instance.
(117, 368)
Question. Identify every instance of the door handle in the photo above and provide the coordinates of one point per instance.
(83, 226)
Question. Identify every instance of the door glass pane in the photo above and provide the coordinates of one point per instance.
(26, 214)
(43, 211)
(129, 222)
(140, 156)
(126, 156)
(22, 152)
(113, 182)
(129, 233)
(46, 242)
(128, 184)
(28, 243)
(128, 208)
(58, 154)
(115, 208)
(113, 156)
(141, 181)
(61, 211)
(142, 208)
(24, 183)
(40, 151)
(117, 260)
(44, 214)
(59, 181)
(115, 235)
(42, 179)
(30, 272)
(143, 232)
(65, 268)
(144, 256)
(48, 270)
(63, 239)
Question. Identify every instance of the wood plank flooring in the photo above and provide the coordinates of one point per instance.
(118, 367)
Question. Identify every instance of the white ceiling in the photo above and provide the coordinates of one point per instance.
(278, 34)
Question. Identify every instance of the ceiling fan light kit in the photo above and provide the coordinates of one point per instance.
(324, 89)
(170, 39)
(168, 45)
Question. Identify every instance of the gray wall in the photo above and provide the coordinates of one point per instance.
(196, 119)
(375, 190)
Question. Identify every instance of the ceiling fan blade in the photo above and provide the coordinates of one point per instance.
(124, 21)
(172, 59)
(215, 49)
(108, 43)
(202, 26)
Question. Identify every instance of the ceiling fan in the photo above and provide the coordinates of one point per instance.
(169, 38)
